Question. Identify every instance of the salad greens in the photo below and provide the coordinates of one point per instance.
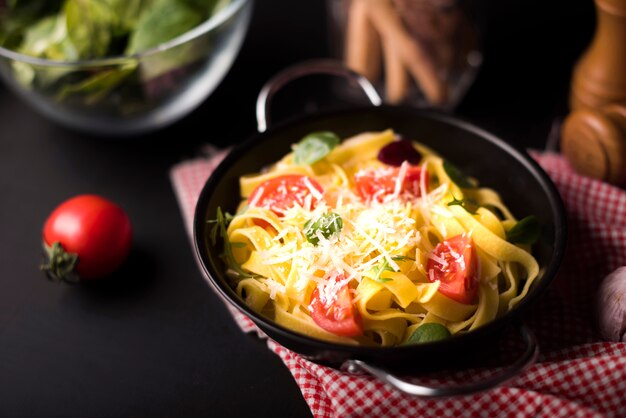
(73, 30)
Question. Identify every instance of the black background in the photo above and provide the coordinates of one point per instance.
(153, 340)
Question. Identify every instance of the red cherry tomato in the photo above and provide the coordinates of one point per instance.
(86, 236)
(376, 184)
(454, 263)
(333, 310)
(283, 192)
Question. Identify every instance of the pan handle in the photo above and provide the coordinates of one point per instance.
(318, 66)
(527, 358)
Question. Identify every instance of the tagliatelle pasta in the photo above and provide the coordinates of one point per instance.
(351, 250)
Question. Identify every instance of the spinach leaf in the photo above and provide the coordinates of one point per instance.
(328, 225)
(127, 14)
(457, 176)
(162, 22)
(314, 147)
(96, 87)
(47, 38)
(526, 231)
(90, 26)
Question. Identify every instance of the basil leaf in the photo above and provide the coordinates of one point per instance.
(526, 231)
(457, 176)
(327, 224)
(429, 332)
(314, 147)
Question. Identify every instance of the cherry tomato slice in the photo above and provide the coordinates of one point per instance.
(283, 192)
(455, 264)
(376, 184)
(335, 312)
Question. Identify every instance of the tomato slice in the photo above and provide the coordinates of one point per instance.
(376, 184)
(455, 264)
(283, 192)
(332, 309)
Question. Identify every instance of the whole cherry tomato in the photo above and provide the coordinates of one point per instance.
(85, 237)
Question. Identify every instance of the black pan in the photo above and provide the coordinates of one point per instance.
(522, 184)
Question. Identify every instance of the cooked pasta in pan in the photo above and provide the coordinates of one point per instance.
(364, 241)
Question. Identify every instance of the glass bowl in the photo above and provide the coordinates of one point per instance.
(125, 95)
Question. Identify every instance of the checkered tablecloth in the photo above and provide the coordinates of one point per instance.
(577, 375)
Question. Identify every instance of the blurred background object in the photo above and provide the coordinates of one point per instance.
(122, 67)
(420, 52)
(594, 142)
(593, 137)
(599, 77)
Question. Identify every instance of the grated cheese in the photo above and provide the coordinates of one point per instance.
(373, 232)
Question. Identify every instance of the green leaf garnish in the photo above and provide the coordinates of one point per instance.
(221, 223)
(457, 176)
(429, 332)
(469, 205)
(378, 270)
(526, 231)
(314, 147)
(401, 258)
(328, 225)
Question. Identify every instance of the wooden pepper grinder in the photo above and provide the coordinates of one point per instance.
(593, 137)
(594, 142)
(599, 77)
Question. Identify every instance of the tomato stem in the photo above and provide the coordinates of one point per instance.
(59, 264)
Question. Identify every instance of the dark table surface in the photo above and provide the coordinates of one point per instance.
(153, 340)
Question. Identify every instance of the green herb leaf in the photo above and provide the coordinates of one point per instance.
(401, 258)
(378, 271)
(526, 231)
(314, 147)
(457, 176)
(328, 225)
(429, 332)
(127, 14)
(90, 26)
(469, 205)
(164, 21)
(98, 86)
(221, 223)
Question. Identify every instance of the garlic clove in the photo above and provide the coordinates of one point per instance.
(611, 306)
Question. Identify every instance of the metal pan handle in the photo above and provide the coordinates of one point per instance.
(320, 66)
(527, 358)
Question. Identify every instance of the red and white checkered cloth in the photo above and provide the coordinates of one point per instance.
(577, 375)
